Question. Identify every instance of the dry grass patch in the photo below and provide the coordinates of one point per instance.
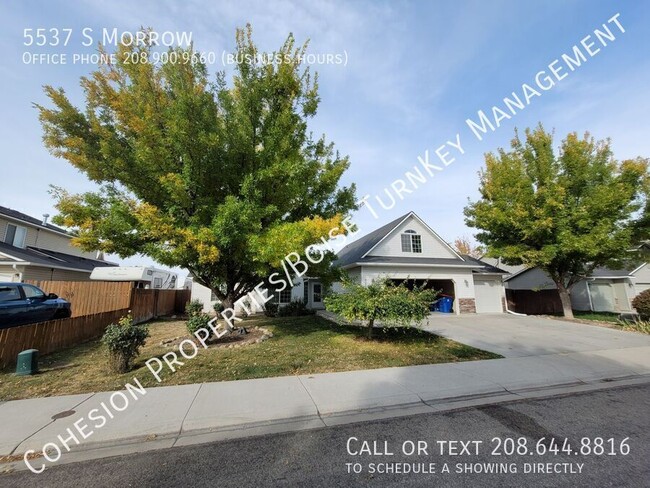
(300, 345)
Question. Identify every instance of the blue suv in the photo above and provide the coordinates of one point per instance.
(22, 304)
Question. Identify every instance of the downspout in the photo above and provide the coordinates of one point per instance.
(20, 275)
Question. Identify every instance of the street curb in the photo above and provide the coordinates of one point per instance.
(138, 444)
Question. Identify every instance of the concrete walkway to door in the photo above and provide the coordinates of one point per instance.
(521, 336)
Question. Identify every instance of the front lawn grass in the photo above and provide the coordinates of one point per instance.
(300, 345)
(597, 316)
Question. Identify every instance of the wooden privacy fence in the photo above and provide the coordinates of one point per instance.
(90, 297)
(533, 302)
(147, 304)
(94, 300)
(54, 335)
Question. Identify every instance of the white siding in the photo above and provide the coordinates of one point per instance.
(432, 246)
(45, 239)
(641, 281)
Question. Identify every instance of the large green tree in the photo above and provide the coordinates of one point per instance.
(566, 212)
(222, 178)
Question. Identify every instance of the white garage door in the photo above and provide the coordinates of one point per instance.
(488, 296)
(602, 297)
(6, 277)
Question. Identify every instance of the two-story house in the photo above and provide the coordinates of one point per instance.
(33, 249)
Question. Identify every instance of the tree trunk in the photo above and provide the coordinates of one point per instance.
(565, 298)
(371, 324)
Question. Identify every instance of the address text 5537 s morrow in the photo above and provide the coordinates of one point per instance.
(107, 36)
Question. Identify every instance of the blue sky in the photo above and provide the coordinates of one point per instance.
(415, 72)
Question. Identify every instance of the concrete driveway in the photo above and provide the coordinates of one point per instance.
(516, 336)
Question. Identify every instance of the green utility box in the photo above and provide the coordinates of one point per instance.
(27, 362)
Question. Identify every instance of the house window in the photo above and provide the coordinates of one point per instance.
(15, 235)
(316, 295)
(285, 296)
(411, 241)
(305, 291)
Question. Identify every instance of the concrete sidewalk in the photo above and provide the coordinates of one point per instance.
(188, 414)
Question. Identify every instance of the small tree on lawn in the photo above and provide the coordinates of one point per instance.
(123, 341)
(566, 213)
(393, 305)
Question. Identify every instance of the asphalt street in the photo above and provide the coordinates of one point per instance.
(591, 439)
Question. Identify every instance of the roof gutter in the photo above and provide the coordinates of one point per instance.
(40, 265)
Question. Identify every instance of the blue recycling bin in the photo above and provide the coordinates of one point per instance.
(445, 304)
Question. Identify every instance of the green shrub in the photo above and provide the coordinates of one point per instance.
(124, 341)
(195, 307)
(642, 303)
(271, 309)
(197, 321)
(295, 308)
(218, 308)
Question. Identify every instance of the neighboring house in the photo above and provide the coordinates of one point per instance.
(407, 249)
(404, 250)
(606, 290)
(33, 249)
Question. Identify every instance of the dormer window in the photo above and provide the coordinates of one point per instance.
(411, 241)
(15, 235)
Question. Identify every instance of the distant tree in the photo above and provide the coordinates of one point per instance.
(221, 179)
(465, 245)
(393, 305)
(566, 213)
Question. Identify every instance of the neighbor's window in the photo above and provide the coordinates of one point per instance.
(317, 292)
(15, 235)
(285, 295)
(411, 241)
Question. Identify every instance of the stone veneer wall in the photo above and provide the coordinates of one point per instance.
(467, 305)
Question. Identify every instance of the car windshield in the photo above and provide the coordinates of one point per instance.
(33, 292)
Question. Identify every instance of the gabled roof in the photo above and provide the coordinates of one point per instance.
(357, 251)
(16, 215)
(51, 259)
(354, 251)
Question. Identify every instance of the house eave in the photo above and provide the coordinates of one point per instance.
(421, 265)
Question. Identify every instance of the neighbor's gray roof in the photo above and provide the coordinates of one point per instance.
(601, 272)
(30, 220)
(485, 267)
(47, 258)
(611, 273)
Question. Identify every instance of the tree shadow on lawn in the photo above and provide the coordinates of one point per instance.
(307, 325)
